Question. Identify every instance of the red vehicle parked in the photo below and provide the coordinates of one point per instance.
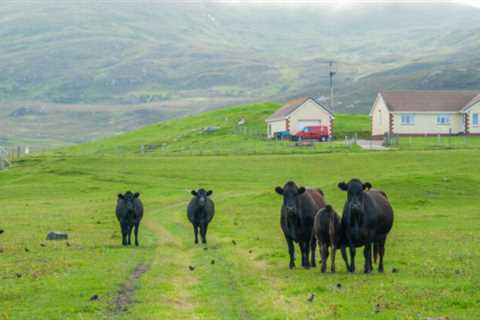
(320, 133)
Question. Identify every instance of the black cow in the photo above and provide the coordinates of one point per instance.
(200, 212)
(367, 219)
(327, 230)
(129, 214)
(296, 219)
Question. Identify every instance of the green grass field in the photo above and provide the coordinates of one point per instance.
(434, 242)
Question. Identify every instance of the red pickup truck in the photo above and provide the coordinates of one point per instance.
(320, 133)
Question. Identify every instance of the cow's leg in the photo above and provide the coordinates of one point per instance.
(195, 231)
(352, 257)
(313, 248)
(343, 249)
(334, 251)
(124, 233)
(381, 251)
(324, 254)
(203, 232)
(367, 253)
(291, 252)
(129, 228)
(307, 254)
(136, 233)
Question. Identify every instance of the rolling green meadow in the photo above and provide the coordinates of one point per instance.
(242, 273)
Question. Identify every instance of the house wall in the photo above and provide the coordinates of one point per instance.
(380, 117)
(309, 111)
(426, 123)
(277, 126)
(474, 109)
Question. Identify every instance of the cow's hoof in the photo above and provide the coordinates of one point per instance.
(332, 270)
(291, 266)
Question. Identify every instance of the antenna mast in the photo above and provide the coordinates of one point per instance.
(333, 72)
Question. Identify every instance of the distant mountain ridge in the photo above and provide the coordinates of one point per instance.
(103, 67)
(96, 52)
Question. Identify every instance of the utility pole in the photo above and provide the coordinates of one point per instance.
(333, 72)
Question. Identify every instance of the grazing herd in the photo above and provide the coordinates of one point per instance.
(305, 219)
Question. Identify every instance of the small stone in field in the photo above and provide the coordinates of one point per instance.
(311, 297)
(57, 236)
(191, 268)
(213, 261)
(395, 270)
(94, 297)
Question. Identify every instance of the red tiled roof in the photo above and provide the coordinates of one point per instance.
(428, 101)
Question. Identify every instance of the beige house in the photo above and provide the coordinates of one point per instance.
(426, 113)
(297, 114)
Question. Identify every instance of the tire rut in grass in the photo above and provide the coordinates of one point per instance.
(125, 293)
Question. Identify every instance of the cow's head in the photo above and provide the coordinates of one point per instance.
(355, 193)
(201, 196)
(290, 193)
(128, 199)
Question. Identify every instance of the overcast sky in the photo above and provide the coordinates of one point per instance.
(351, 3)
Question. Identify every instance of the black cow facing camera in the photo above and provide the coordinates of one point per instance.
(367, 220)
(200, 212)
(129, 214)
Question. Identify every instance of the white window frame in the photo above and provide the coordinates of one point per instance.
(407, 119)
(379, 120)
(475, 125)
(443, 119)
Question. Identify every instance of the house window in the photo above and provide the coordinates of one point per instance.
(443, 119)
(408, 119)
(475, 119)
(379, 119)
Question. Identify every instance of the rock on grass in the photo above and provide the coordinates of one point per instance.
(54, 235)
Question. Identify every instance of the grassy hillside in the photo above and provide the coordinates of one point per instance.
(218, 132)
(434, 243)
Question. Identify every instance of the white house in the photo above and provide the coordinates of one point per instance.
(297, 114)
(426, 113)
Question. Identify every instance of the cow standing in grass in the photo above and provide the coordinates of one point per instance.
(129, 214)
(327, 230)
(367, 220)
(200, 212)
(296, 219)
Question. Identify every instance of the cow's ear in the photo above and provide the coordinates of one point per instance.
(279, 190)
(301, 190)
(367, 185)
(194, 193)
(136, 195)
(120, 196)
(209, 193)
(343, 186)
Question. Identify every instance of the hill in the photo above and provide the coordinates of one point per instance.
(218, 133)
(161, 59)
(243, 271)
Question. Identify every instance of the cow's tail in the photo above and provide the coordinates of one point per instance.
(375, 252)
